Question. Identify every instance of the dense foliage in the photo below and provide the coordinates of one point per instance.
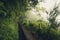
(13, 12)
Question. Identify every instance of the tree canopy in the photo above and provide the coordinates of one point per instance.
(18, 15)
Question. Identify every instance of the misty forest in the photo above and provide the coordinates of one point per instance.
(29, 19)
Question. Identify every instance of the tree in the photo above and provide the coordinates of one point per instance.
(53, 27)
(14, 24)
(10, 11)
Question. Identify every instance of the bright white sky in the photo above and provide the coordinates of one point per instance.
(48, 5)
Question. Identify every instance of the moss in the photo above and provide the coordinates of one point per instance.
(8, 30)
